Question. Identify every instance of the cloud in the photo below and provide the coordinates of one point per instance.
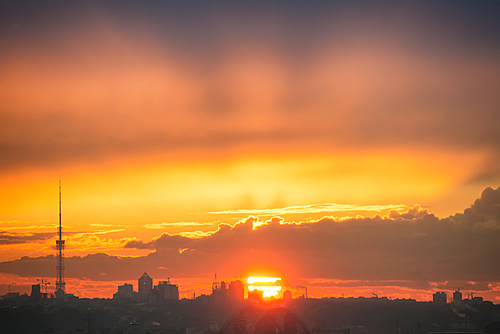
(13, 225)
(313, 208)
(412, 213)
(7, 238)
(23, 240)
(412, 245)
(139, 244)
(82, 234)
(488, 206)
(409, 245)
(401, 249)
(91, 242)
(160, 226)
(389, 81)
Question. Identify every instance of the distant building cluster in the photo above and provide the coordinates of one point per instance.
(441, 299)
(234, 290)
(156, 309)
(163, 292)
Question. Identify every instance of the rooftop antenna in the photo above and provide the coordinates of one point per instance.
(60, 284)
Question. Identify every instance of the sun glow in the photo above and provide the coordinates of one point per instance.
(270, 286)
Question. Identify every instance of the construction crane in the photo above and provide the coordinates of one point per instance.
(44, 285)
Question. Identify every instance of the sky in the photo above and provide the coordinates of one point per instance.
(350, 147)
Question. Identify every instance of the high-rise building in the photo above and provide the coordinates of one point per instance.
(145, 284)
(237, 290)
(125, 291)
(36, 293)
(439, 297)
(167, 291)
(287, 295)
(457, 296)
(126, 288)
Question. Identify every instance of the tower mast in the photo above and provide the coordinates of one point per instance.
(60, 284)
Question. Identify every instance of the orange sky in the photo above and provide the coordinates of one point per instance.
(166, 121)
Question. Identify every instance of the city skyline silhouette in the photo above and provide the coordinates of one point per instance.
(350, 149)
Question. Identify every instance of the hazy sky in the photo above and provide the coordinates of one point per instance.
(171, 124)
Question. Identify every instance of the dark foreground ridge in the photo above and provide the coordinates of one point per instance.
(212, 314)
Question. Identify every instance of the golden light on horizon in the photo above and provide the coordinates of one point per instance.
(262, 279)
(270, 286)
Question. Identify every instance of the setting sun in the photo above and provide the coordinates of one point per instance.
(270, 286)
(299, 150)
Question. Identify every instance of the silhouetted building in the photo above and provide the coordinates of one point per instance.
(477, 300)
(145, 284)
(126, 288)
(237, 290)
(287, 295)
(167, 291)
(439, 297)
(473, 300)
(219, 291)
(36, 293)
(457, 296)
(125, 291)
(11, 295)
(219, 288)
(256, 296)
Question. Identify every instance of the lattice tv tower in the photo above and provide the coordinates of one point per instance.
(60, 284)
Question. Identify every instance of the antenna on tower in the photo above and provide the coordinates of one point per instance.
(60, 284)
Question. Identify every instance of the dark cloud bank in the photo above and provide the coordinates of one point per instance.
(7, 238)
(413, 246)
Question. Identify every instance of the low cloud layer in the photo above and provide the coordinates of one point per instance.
(413, 245)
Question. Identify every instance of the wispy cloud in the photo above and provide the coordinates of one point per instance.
(8, 225)
(79, 235)
(313, 208)
(19, 238)
(196, 234)
(160, 226)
